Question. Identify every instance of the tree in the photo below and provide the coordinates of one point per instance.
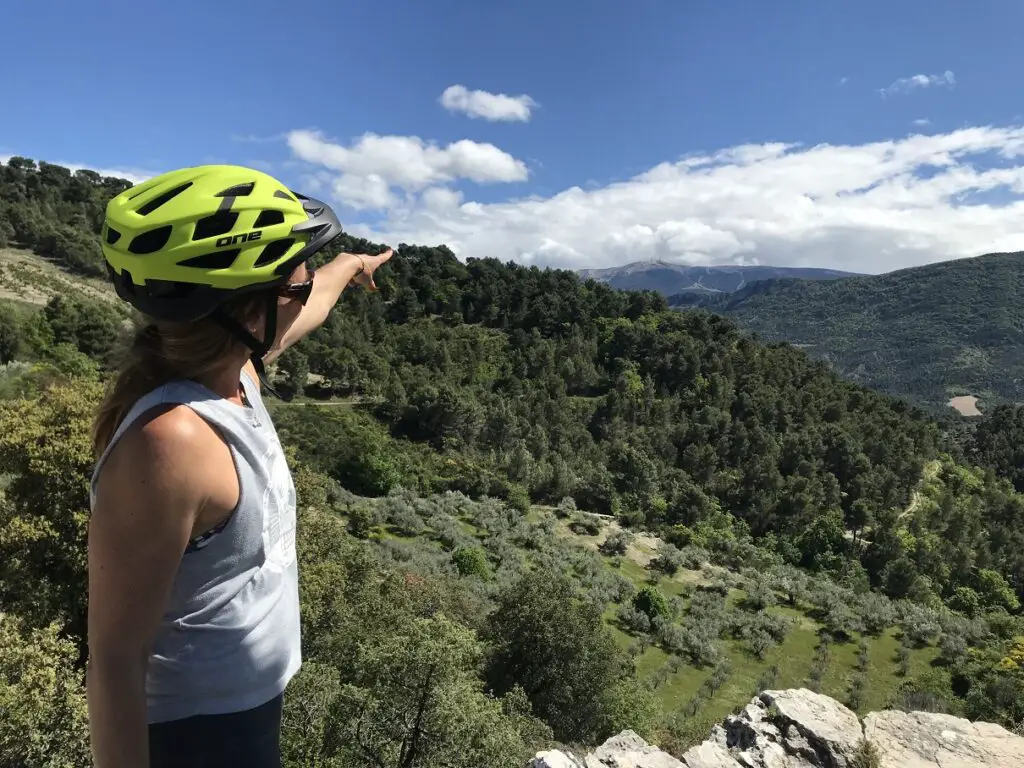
(650, 601)
(46, 443)
(10, 335)
(414, 700)
(295, 366)
(471, 561)
(42, 698)
(556, 646)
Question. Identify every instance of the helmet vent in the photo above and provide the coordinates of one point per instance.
(159, 200)
(239, 190)
(268, 218)
(214, 260)
(112, 235)
(141, 188)
(168, 289)
(274, 251)
(151, 241)
(280, 193)
(219, 223)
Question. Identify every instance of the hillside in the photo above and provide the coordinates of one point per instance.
(542, 511)
(929, 333)
(669, 279)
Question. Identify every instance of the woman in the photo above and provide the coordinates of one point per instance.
(193, 590)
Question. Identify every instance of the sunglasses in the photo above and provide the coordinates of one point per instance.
(300, 291)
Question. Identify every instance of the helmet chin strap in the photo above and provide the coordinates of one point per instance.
(259, 348)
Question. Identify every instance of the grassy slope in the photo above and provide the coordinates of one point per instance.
(26, 278)
(792, 657)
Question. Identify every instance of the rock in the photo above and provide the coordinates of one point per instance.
(815, 727)
(628, 750)
(927, 740)
(555, 759)
(798, 728)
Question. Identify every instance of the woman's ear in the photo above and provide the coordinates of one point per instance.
(251, 314)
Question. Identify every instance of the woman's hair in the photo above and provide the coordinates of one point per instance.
(161, 351)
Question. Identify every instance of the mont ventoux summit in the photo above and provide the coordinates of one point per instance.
(716, 465)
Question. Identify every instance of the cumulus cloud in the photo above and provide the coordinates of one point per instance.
(870, 207)
(486, 105)
(374, 164)
(914, 82)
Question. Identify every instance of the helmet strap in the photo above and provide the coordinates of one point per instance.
(259, 348)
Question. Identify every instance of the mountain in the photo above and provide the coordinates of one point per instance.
(928, 333)
(669, 279)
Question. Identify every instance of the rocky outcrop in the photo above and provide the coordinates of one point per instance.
(924, 740)
(802, 729)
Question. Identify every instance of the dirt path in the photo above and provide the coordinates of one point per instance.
(931, 471)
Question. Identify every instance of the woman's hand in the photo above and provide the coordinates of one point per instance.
(364, 276)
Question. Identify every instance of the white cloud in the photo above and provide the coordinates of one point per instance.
(489, 106)
(374, 164)
(868, 207)
(922, 122)
(907, 84)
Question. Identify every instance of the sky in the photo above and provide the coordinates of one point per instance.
(865, 136)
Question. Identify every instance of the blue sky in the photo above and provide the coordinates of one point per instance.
(615, 89)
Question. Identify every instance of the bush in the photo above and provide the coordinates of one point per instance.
(585, 525)
(566, 507)
(669, 560)
(471, 561)
(651, 601)
(361, 520)
(617, 543)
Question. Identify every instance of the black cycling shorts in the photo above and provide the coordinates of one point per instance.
(251, 739)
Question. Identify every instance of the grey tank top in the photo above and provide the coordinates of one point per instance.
(229, 639)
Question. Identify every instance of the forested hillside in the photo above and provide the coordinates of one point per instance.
(928, 333)
(766, 522)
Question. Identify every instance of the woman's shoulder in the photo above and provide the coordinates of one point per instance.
(169, 441)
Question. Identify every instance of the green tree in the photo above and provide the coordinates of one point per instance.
(42, 698)
(557, 648)
(471, 561)
(414, 700)
(45, 441)
(651, 601)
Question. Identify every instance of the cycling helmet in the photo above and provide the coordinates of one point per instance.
(180, 245)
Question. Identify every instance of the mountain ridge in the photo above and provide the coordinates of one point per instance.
(927, 333)
(669, 278)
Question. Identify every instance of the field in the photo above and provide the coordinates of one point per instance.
(677, 682)
(31, 279)
(966, 405)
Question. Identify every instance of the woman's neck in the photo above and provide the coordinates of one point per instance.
(226, 382)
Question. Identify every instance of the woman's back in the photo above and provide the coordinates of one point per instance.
(229, 637)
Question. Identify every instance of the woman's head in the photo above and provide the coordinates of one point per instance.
(214, 257)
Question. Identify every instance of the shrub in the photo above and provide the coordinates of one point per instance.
(651, 601)
(471, 561)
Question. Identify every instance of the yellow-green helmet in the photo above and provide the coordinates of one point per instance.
(179, 245)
